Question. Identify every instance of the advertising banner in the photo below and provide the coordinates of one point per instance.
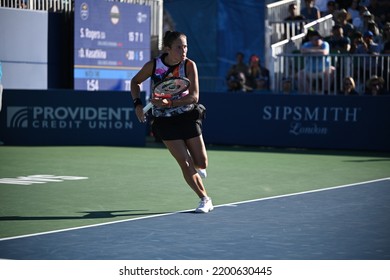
(69, 118)
(108, 118)
(331, 122)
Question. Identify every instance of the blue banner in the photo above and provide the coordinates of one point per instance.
(324, 122)
(69, 118)
(108, 118)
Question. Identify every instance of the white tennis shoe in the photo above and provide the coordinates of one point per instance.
(205, 205)
(202, 173)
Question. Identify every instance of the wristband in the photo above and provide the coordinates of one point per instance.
(137, 101)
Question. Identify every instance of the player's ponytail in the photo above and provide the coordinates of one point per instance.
(170, 37)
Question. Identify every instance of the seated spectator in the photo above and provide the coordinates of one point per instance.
(365, 2)
(317, 65)
(348, 87)
(22, 4)
(357, 42)
(294, 28)
(337, 41)
(341, 18)
(374, 86)
(368, 63)
(370, 47)
(310, 11)
(308, 34)
(322, 5)
(236, 82)
(378, 38)
(331, 8)
(287, 87)
(367, 18)
(258, 76)
(358, 22)
(353, 10)
(236, 76)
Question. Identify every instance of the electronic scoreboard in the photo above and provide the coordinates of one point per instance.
(111, 44)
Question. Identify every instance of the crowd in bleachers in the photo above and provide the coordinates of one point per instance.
(360, 29)
(367, 20)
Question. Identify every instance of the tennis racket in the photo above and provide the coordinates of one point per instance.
(169, 88)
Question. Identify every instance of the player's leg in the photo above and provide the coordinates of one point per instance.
(197, 150)
(179, 151)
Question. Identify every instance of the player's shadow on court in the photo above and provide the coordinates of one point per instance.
(88, 215)
(368, 160)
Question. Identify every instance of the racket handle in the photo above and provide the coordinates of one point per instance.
(147, 107)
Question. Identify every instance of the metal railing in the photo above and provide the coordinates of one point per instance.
(322, 25)
(309, 75)
(39, 5)
(281, 29)
(293, 44)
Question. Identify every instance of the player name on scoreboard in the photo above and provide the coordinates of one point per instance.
(112, 41)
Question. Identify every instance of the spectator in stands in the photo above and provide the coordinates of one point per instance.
(287, 87)
(366, 3)
(337, 41)
(370, 47)
(310, 30)
(237, 82)
(317, 65)
(374, 86)
(321, 5)
(236, 76)
(367, 18)
(378, 38)
(342, 20)
(357, 42)
(358, 22)
(22, 4)
(348, 87)
(294, 13)
(353, 10)
(368, 63)
(331, 9)
(258, 76)
(292, 28)
(310, 11)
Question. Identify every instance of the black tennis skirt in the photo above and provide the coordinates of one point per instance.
(183, 126)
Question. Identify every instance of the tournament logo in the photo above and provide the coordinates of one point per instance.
(84, 11)
(114, 14)
(17, 117)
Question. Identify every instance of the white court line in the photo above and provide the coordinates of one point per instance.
(172, 213)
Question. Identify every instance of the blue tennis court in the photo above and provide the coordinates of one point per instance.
(349, 222)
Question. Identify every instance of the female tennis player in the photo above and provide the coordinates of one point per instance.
(177, 121)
